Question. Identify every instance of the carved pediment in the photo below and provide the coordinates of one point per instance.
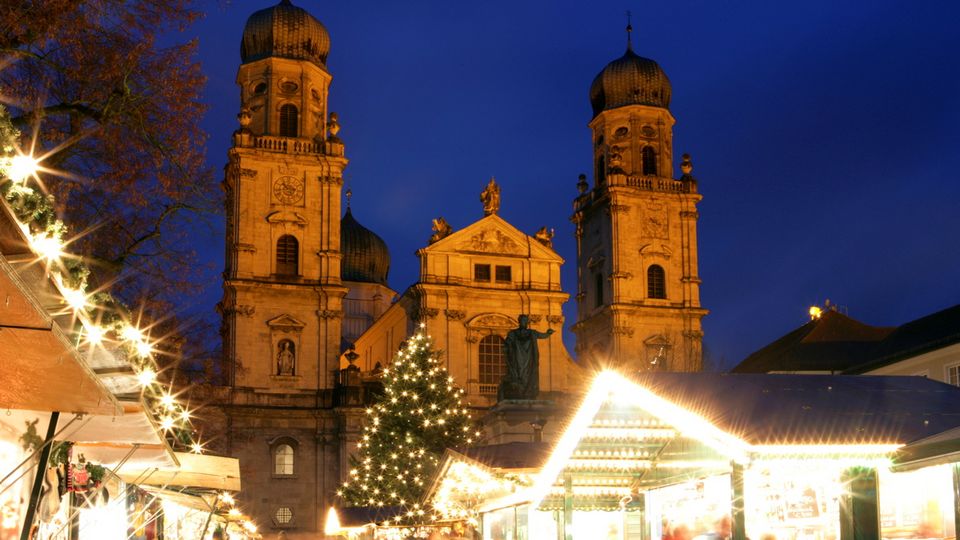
(285, 322)
(494, 236)
(657, 340)
(280, 216)
(492, 320)
(491, 240)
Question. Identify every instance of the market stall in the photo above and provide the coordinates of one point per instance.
(679, 455)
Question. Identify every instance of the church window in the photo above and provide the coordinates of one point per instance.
(504, 274)
(599, 286)
(481, 272)
(649, 161)
(493, 364)
(287, 255)
(288, 121)
(656, 282)
(601, 175)
(283, 460)
(283, 515)
(289, 87)
(260, 88)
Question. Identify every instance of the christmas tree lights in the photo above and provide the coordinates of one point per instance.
(419, 415)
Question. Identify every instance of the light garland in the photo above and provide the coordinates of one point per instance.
(103, 323)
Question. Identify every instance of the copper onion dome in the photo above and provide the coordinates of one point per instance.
(365, 255)
(284, 31)
(630, 80)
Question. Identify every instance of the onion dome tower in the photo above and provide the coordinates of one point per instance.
(366, 258)
(630, 80)
(284, 31)
(638, 300)
(364, 269)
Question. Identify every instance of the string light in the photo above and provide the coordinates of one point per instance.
(22, 167)
(147, 376)
(45, 238)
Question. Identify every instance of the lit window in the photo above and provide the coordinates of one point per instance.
(481, 272)
(953, 375)
(656, 282)
(649, 161)
(493, 364)
(287, 255)
(283, 515)
(504, 274)
(288, 121)
(283, 460)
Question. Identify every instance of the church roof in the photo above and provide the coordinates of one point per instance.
(838, 343)
(366, 258)
(630, 80)
(832, 343)
(284, 31)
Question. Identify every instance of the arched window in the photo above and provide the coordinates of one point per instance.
(649, 161)
(601, 176)
(493, 360)
(283, 460)
(656, 282)
(287, 255)
(599, 287)
(288, 121)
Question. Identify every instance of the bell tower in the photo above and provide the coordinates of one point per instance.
(282, 302)
(638, 291)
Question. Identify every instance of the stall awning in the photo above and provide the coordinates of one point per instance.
(195, 471)
(107, 439)
(939, 449)
(39, 367)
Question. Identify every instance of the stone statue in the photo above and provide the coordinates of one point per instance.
(544, 236)
(522, 380)
(490, 197)
(441, 230)
(286, 359)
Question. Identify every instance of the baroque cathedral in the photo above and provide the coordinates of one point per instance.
(309, 319)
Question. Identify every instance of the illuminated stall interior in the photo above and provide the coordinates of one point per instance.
(758, 456)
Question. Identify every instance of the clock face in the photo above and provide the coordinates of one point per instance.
(288, 189)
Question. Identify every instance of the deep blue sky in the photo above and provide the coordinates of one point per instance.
(825, 137)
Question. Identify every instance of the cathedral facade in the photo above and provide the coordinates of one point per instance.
(309, 318)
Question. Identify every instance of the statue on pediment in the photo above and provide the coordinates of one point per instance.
(490, 197)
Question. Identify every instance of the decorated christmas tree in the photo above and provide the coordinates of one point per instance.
(420, 413)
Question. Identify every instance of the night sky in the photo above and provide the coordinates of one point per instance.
(825, 137)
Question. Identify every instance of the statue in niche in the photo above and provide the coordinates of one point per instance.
(490, 197)
(286, 358)
(522, 380)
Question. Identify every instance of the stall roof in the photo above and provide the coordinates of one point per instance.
(513, 455)
(936, 450)
(195, 471)
(39, 367)
(763, 409)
